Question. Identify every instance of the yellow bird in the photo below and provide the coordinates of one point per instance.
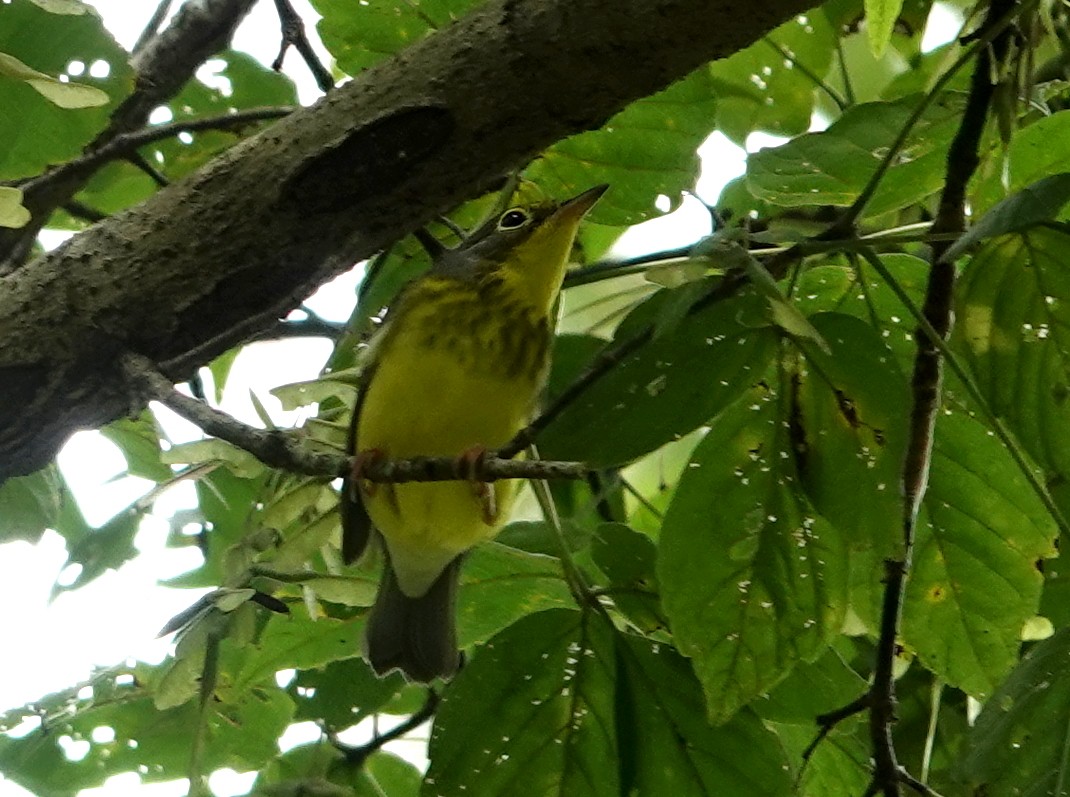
(455, 371)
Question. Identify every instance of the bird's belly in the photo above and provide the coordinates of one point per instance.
(431, 404)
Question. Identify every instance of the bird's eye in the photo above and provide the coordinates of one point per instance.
(513, 219)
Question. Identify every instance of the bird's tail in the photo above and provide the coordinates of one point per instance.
(415, 635)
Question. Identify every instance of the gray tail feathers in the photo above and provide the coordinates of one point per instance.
(415, 635)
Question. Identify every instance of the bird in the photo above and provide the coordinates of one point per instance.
(455, 370)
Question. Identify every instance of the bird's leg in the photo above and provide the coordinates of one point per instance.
(361, 461)
(469, 462)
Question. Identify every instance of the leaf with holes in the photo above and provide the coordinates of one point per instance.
(1018, 745)
(850, 436)
(770, 86)
(646, 150)
(753, 580)
(1013, 310)
(833, 167)
(976, 576)
(531, 712)
(669, 387)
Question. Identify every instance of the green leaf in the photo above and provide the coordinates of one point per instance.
(881, 16)
(302, 394)
(96, 551)
(241, 462)
(850, 438)
(36, 132)
(976, 577)
(840, 764)
(646, 150)
(499, 585)
(63, 94)
(1013, 310)
(242, 735)
(296, 641)
(30, 504)
(1018, 746)
(628, 560)
(139, 441)
(760, 89)
(227, 505)
(1033, 205)
(667, 747)
(832, 167)
(359, 35)
(669, 387)
(1036, 151)
(12, 212)
(75, 7)
(342, 693)
(532, 710)
(563, 704)
(753, 581)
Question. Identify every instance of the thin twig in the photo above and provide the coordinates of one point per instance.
(814, 78)
(357, 755)
(289, 451)
(979, 46)
(80, 210)
(124, 145)
(154, 174)
(312, 327)
(153, 26)
(293, 33)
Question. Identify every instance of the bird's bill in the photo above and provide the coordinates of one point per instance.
(577, 207)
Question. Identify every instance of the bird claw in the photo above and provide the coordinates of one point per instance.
(470, 464)
(361, 461)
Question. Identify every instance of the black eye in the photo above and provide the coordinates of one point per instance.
(513, 219)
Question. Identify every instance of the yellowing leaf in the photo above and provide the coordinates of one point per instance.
(880, 22)
(65, 95)
(12, 212)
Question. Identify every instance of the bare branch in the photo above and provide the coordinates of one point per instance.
(357, 755)
(293, 33)
(289, 451)
(152, 28)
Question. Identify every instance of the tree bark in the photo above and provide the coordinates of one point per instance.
(208, 261)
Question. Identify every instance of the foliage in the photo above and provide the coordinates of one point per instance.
(747, 448)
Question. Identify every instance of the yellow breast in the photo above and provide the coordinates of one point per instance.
(453, 372)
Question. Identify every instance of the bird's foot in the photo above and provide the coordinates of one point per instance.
(361, 461)
(470, 463)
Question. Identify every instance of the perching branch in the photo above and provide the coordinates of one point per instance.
(289, 451)
(293, 33)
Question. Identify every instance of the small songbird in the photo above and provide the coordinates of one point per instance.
(455, 371)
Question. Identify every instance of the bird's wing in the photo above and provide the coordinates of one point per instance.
(357, 527)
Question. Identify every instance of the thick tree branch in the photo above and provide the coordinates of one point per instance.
(163, 65)
(224, 253)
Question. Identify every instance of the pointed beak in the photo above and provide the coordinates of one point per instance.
(577, 207)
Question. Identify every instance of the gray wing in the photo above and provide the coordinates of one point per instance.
(357, 527)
